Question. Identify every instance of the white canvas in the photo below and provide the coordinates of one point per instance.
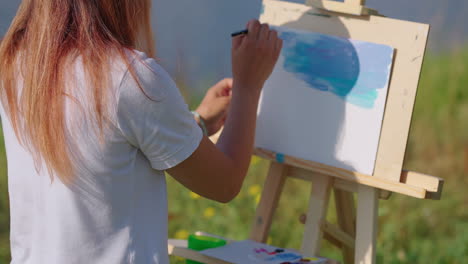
(325, 100)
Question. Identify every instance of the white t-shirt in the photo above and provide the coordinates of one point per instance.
(117, 210)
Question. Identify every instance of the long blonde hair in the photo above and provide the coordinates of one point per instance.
(42, 36)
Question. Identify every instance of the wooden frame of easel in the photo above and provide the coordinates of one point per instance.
(356, 231)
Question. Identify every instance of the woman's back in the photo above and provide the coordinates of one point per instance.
(116, 209)
(88, 139)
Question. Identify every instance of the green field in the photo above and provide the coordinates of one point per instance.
(410, 231)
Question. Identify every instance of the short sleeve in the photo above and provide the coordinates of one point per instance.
(154, 117)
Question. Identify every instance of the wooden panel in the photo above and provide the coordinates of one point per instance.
(345, 185)
(409, 40)
(355, 2)
(332, 239)
(347, 8)
(430, 183)
(366, 225)
(307, 175)
(316, 214)
(344, 239)
(304, 174)
(380, 183)
(268, 202)
(346, 215)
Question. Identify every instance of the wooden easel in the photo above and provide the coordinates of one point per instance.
(356, 231)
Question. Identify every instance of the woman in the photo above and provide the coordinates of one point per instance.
(91, 123)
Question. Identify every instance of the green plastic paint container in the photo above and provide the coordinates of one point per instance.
(203, 242)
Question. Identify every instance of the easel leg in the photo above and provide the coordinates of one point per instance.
(317, 213)
(268, 202)
(346, 215)
(366, 228)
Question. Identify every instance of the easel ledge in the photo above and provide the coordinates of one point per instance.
(411, 183)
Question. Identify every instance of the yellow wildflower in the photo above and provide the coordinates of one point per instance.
(194, 196)
(178, 259)
(257, 199)
(254, 161)
(209, 212)
(254, 190)
(182, 234)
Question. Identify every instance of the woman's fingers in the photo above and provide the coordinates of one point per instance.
(254, 28)
(264, 32)
(254, 61)
(273, 35)
(278, 45)
(237, 41)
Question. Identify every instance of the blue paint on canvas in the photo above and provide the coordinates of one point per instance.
(352, 70)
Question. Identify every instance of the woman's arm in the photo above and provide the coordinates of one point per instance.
(218, 171)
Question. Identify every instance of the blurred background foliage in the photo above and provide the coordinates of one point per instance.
(410, 230)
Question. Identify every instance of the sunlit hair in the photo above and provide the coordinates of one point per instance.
(44, 35)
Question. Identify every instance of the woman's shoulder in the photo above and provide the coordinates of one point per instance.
(146, 74)
(141, 63)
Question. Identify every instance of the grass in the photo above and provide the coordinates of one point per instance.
(4, 208)
(410, 230)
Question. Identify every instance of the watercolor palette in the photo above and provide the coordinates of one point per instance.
(325, 100)
(241, 252)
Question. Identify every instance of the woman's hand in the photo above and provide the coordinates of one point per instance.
(254, 56)
(217, 172)
(214, 107)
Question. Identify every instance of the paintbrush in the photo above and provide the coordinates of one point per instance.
(238, 33)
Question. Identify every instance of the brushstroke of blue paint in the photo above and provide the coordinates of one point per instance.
(352, 70)
(279, 158)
